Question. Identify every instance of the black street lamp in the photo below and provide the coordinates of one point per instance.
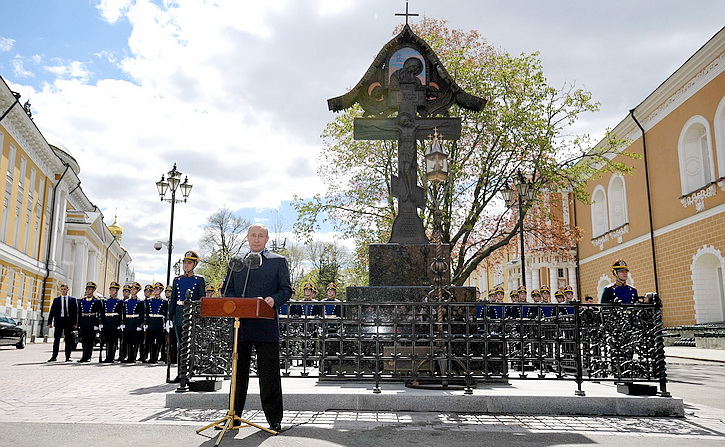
(436, 164)
(523, 192)
(172, 183)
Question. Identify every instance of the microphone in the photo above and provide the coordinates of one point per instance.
(253, 260)
(236, 263)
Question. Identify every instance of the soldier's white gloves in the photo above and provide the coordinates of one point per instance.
(145, 326)
(169, 324)
(95, 328)
(100, 326)
(139, 329)
(122, 327)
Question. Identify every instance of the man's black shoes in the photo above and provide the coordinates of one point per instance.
(52, 359)
(275, 427)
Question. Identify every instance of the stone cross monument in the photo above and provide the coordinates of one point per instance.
(405, 95)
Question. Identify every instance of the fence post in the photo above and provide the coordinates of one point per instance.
(185, 348)
(578, 351)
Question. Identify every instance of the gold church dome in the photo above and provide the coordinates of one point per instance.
(115, 228)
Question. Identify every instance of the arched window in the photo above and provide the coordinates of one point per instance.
(600, 221)
(617, 202)
(720, 138)
(708, 285)
(696, 168)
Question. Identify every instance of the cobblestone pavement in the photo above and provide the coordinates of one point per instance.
(34, 391)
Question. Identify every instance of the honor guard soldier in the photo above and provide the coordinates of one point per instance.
(499, 293)
(188, 282)
(91, 310)
(156, 311)
(112, 320)
(148, 292)
(171, 343)
(560, 298)
(133, 324)
(522, 294)
(513, 311)
(210, 291)
(535, 310)
(122, 346)
(332, 310)
(619, 291)
(569, 298)
(545, 293)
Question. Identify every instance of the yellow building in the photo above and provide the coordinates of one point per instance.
(667, 220)
(50, 232)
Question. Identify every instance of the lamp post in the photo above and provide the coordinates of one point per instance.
(524, 192)
(172, 183)
(436, 164)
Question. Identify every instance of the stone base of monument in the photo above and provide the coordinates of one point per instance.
(205, 385)
(516, 397)
(636, 389)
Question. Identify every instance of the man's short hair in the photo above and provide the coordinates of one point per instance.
(258, 225)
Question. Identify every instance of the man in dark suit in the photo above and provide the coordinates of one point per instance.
(64, 314)
(269, 282)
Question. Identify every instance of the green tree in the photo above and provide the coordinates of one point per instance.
(525, 127)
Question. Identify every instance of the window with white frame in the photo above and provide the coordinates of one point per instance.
(696, 167)
(600, 221)
(617, 196)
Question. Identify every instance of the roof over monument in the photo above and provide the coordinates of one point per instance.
(373, 91)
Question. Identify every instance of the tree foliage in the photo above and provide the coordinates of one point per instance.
(525, 128)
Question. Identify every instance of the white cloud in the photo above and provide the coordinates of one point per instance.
(71, 69)
(19, 69)
(6, 44)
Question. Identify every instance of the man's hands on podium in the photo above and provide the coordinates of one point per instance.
(269, 300)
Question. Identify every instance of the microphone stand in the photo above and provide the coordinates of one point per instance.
(227, 423)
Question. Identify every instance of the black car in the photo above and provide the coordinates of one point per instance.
(11, 333)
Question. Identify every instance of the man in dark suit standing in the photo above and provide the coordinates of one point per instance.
(64, 314)
(269, 282)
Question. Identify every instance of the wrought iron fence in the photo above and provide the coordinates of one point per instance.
(447, 343)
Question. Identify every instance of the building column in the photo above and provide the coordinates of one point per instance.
(553, 279)
(80, 267)
(572, 280)
(535, 280)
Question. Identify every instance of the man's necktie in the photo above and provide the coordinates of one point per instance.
(65, 307)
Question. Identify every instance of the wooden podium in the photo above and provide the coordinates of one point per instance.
(236, 308)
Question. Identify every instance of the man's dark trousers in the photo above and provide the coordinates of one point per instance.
(63, 329)
(270, 381)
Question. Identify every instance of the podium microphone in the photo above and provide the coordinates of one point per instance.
(252, 261)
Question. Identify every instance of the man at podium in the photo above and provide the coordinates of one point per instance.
(270, 281)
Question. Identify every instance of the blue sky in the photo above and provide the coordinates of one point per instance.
(235, 91)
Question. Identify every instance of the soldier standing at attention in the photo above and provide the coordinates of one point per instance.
(190, 282)
(91, 310)
(210, 291)
(170, 344)
(132, 324)
(619, 291)
(112, 320)
(122, 343)
(156, 311)
(148, 291)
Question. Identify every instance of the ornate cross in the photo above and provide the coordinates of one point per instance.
(407, 128)
(406, 13)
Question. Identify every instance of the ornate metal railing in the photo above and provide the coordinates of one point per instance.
(474, 342)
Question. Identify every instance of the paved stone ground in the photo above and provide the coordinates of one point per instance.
(74, 398)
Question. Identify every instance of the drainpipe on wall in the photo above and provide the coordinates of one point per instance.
(47, 252)
(649, 203)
